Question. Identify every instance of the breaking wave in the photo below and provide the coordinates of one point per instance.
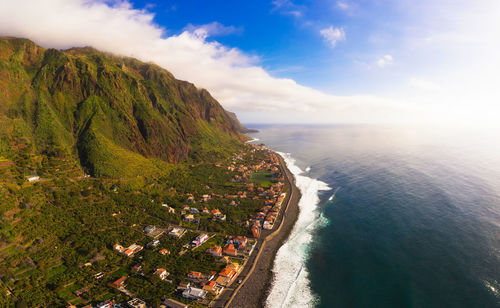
(290, 287)
(253, 140)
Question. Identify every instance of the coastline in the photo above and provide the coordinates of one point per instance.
(253, 291)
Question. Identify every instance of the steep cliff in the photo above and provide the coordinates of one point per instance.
(115, 115)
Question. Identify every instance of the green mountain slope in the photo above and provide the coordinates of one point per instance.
(115, 116)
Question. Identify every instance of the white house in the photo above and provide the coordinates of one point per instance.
(194, 293)
(35, 178)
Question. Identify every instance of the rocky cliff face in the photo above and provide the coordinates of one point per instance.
(104, 110)
(236, 123)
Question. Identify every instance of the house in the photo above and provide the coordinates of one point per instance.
(118, 283)
(164, 252)
(227, 272)
(217, 214)
(99, 275)
(215, 251)
(153, 243)
(195, 275)
(189, 218)
(177, 232)
(256, 231)
(183, 285)
(211, 275)
(241, 241)
(230, 250)
(194, 293)
(194, 210)
(149, 229)
(136, 303)
(135, 248)
(137, 268)
(235, 267)
(119, 248)
(171, 210)
(33, 178)
(213, 288)
(162, 273)
(205, 211)
(268, 225)
(200, 239)
(223, 281)
(128, 252)
(171, 303)
(106, 304)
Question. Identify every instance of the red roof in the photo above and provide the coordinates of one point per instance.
(194, 274)
(227, 272)
(211, 284)
(119, 282)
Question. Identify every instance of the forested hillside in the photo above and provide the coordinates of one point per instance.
(115, 116)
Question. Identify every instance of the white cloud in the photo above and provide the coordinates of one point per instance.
(231, 76)
(384, 61)
(424, 84)
(333, 35)
(213, 29)
(348, 7)
(343, 5)
(287, 7)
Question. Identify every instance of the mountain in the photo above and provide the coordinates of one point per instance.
(236, 123)
(115, 116)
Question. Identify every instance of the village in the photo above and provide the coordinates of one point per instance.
(226, 255)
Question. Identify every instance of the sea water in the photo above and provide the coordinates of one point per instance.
(389, 217)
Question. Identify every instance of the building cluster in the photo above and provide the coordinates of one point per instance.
(130, 251)
(198, 285)
(268, 214)
(234, 247)
(192, 214)
(233, 252)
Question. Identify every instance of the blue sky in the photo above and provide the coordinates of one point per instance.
(339, 61)
(286, 38)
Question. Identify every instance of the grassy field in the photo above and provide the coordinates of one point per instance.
(262, 178)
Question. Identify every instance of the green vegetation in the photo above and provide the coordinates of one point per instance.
(117, 116)
(147, 141)
(262, 178)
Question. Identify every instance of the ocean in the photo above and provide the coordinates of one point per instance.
(390, 217)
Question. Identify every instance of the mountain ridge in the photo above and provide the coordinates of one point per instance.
(116, 115)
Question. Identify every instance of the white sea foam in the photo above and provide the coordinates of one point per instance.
(308, 168)
(253, 140)
(290, 287)
(491, 287)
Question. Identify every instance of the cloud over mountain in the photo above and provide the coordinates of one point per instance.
(234, 78)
